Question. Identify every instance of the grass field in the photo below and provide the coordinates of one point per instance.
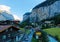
(53, 31)
(27, 31)
(22, 29)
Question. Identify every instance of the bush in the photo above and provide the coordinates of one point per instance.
(45, 27)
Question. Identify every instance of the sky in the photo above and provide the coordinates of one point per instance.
(19, 7)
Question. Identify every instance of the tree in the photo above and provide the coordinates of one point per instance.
(57, 19)
(25, 23)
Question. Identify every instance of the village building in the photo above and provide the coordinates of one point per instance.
(9, 33)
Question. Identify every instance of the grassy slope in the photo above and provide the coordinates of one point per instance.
(27, 31)
(53, 31)
(22, 29)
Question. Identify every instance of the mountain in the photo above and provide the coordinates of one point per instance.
(6, 16)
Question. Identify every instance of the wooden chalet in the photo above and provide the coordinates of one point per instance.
(9, 33)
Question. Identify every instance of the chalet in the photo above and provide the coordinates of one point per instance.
(9, 33)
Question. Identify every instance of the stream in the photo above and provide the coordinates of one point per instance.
(51, 39)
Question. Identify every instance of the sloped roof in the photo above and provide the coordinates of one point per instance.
(4, 27)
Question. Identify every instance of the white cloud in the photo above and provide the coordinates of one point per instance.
(16, 17)
(4, 8)
(30, 10)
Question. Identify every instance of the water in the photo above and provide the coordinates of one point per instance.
(29, 37)
(51, 39)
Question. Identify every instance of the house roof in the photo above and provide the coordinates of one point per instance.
(45, 3)
(4, 27)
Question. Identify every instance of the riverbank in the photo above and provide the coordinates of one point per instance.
(55, 32)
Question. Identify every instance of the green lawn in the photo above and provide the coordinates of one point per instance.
(27, 31)
(22, 29)
(53, 31)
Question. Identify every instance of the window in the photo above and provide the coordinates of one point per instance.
(19, 30)
(4, 37)
(8, 35)
(17, 38)
(10, 29)
(7, 30)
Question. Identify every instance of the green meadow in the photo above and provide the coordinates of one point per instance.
(55, 32)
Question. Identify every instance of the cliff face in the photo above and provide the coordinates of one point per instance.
(46, 10)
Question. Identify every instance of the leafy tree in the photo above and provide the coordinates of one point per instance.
(56, 19)
(25, 23)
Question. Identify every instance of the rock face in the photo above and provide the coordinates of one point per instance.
(26, 16)
(45, 10)
(5, 16)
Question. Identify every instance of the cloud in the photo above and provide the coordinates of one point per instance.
(16, 17)
(4, 8)
(30, 10)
